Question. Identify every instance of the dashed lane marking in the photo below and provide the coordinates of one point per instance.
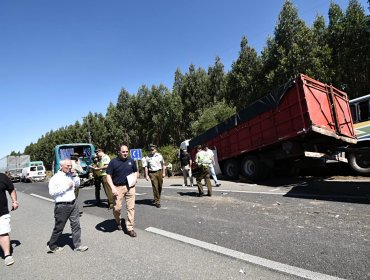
(306, 274)
(42, 197)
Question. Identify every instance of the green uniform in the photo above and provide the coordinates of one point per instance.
(154, 163)
(203, 160)
(104, 161)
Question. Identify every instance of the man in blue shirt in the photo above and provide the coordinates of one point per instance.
(117, 171)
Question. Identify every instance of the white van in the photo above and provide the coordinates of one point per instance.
(33, 173)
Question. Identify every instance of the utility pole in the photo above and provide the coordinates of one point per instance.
(88, 128)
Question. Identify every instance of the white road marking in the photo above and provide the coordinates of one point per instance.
(42, 197)
(300, 272)
(140, 193)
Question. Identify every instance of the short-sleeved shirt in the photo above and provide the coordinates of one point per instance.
(5, 185)
(105, 159)
(153, 162)
(185, 159)
(119, 169)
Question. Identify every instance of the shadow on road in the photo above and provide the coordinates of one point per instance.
(192, 193)
(146, 201)
(108, 225)
(13, 244)
(352, 192)
(65, 239)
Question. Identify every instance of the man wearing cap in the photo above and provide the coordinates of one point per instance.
(97, 182)
(155, 170)
(203, 160)
(104, 160)
(119, 170)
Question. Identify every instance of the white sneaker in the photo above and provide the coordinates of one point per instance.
(57, 249)
(183, 185)
(9, 260)
(81, 248)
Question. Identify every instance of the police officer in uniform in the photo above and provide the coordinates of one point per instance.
(155, 170)
(203, 160)
(97, 180)
(104, 160)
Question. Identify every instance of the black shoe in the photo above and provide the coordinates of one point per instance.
(158, 205)
(218, 184)
(132, 233)
(208, 194)
(200, 194)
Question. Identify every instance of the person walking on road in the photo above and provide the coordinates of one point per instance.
(212, 165)
(6, 185)
(104, 160)
(203, 160)
(155, 170)
(97, 182)
(61, 188)
(186, 162)
(122, 176)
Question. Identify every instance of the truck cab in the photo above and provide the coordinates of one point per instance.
(85, 151)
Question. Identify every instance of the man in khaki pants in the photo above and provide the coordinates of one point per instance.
(118, 171)
(155, 170)
(104, 160)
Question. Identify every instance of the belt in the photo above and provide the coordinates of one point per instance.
(120, 185)
(66, 202)
(154, 171)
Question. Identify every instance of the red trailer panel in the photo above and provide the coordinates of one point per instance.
(303, 112)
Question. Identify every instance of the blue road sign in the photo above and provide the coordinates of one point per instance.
(135, 154)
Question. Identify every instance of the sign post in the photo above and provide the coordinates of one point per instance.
(136, 155)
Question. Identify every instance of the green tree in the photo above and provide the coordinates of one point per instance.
(216, 81)
(211, 117)
(242, 81)
(289, 52)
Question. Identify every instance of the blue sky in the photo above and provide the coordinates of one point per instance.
(62, 59)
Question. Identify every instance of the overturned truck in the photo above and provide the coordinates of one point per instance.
(302, 119)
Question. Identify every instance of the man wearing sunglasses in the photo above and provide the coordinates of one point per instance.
(117, 171)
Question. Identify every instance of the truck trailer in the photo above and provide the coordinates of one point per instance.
(302, 119)
(13, 165)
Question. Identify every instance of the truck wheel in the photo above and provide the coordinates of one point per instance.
(231, 168)
(360, 163)
(252, 168)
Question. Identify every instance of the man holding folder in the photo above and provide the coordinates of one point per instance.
(122, 176)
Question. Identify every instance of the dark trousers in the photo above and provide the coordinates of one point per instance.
(63, 212)
(97, 184)
(204, 174)
(157, 181)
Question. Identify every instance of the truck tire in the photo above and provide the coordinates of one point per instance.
(231, 169)
(360, 163)
(253, 168)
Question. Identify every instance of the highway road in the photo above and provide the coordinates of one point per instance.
(302, 226)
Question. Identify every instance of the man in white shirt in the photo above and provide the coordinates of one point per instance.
(62, 188)
(212, 165)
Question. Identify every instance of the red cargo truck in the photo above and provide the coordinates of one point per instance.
(302, 119)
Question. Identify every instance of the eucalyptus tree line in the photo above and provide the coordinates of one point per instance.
(337, 53)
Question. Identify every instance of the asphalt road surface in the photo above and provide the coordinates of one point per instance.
(309, 228)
